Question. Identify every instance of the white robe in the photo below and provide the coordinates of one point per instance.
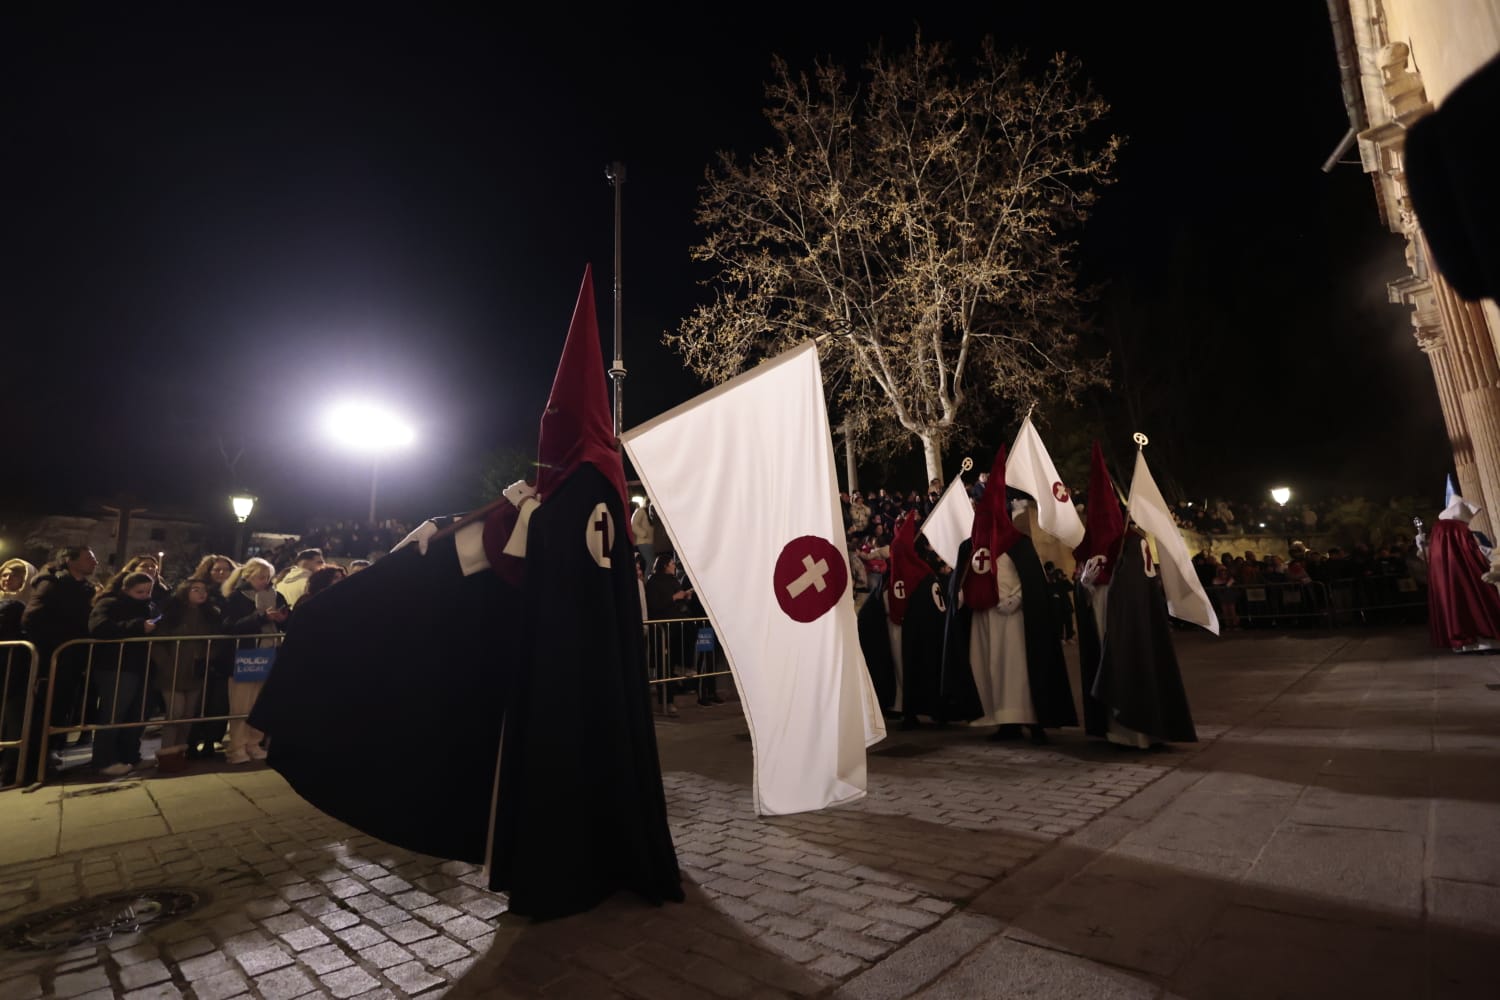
(893, 631)
(997, 654)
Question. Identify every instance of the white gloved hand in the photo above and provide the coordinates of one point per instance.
(420, 536)
(519, 491)
(1009, 605)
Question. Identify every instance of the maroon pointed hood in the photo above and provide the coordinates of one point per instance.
(991, 537)
(577, 428)
(1104, 524)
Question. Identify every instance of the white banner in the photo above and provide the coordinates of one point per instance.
(951, 521)
(1185, 596)
(743, 478)
(1029, 468)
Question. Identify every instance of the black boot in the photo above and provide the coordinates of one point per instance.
(1039, 736)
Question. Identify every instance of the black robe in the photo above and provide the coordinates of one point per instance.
(582, 812)
(1095, 712)
(875, 643)
(385, 700)
(1046, 667)
(1138, 677)
(959, 696)
(922, 650)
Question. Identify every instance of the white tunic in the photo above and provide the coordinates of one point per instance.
(997, 654)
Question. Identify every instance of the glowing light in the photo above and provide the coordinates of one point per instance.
(243, 504)
(1281, 495)
(367, 427)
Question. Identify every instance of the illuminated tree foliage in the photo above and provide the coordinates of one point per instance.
(918, 226)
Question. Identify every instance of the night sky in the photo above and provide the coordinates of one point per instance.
(219, 223)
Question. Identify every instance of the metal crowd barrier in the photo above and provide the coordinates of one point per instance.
(1366, 600)
(17, 692)
(75, 662)
(682, 653)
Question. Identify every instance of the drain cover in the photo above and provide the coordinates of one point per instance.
(98, 918)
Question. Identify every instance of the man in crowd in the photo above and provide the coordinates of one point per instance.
(294, 584)
(58, 611)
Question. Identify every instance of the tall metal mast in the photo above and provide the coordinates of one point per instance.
(616, 174)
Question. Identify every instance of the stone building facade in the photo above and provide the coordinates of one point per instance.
(1399, 59)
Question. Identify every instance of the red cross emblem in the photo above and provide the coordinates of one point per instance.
(810, 578)
(1060, 492)
(937, 598)
(981, 561)
(899, 590)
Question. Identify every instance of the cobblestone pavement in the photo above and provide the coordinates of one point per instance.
(300, 905)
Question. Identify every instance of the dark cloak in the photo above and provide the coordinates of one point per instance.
(581, 812)
(1046, 667)
(1095, 712)
(922, 649)
(385, 701)
(959, 695)
(1139, 679)
(1462, 608)
(875, 644)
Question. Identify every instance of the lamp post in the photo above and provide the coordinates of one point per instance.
(371, 430)
(1281, 495)
(242, 504)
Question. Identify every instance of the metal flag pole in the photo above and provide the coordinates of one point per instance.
(616, 174)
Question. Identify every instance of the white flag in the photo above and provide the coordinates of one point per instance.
(1185, 596)
(1029, 469)
(743, 477)
(951, 521)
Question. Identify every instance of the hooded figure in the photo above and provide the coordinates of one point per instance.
(482, 635)
(1463, 612)
(1095, 557)
(901, 631)
(1015, 651)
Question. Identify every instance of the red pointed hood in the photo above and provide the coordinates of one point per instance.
(907, 568)
(1105, 525)
(992, 536)
(995, 509)
(577, 428)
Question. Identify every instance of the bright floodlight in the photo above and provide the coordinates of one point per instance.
(242, 503)
(369, 428)
(1281, 495)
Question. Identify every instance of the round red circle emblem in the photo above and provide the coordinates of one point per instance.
(810, 578)
(1060, 492)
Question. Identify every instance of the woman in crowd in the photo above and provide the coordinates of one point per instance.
(15, 591)
(252, 606)
(213, 571)
(15, 665)
(118, 675)
(178, 669)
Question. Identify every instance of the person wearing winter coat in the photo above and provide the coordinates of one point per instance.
(178, 669)
(118, 675)
(252, 606)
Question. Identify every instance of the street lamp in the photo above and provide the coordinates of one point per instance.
(1281, 495)
(242, 504)
(370, 429)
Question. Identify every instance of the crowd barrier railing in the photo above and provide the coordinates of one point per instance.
(17, 695)
(1364, 600)
(87, 680)
(683, 654)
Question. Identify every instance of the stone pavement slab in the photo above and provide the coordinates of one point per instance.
(971, 869)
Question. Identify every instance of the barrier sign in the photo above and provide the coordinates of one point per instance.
(253, 664)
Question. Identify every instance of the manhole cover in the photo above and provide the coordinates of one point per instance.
(904, 750)
(98, 918)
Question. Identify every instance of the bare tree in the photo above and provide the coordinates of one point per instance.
(918, 227)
